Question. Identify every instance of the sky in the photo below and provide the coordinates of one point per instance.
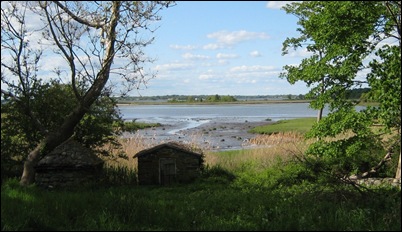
(222, 47)
(213, 47)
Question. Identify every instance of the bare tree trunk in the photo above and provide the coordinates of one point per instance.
(49, 143)
(398, 170)
(66, 130)
(28, 175)
(319, 115)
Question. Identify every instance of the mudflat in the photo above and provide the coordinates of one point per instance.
(212, 134)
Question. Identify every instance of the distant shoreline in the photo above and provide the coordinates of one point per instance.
(212, 103)
(242, 102)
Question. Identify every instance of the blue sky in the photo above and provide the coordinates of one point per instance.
(222, 47)
(210, 47)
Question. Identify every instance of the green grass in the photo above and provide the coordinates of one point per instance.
(220, 200)
(301, 125)
(236, 194)
(134, 126)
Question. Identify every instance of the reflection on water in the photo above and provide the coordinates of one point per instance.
(191, 124)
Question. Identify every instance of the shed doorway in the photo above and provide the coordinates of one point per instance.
(167, 171)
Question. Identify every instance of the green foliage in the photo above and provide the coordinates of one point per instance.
(357, 93)
(218, 98)
(119, 176)
(385, 80)
(337, 57)
(218, 174)
(210, 98)
(19, 133)
(283, 197)
(281, 175)
(98, 127)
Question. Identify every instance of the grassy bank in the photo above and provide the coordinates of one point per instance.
(254, 189)
(221, 200)
(251, 189)
(300, 125)
(134, 126)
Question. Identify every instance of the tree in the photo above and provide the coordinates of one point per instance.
(18, 135)
(99, 42)
(347, 39)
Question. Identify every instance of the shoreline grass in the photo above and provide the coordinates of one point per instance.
(250, 189)
(299, 125)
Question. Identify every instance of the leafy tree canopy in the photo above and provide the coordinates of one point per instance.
(345, 40)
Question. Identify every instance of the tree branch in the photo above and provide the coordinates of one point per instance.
(374, 169)
(79, 19)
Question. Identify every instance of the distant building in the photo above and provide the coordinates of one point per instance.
(167, 164)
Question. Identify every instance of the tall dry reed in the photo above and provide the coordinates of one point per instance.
(137, 142)
(262, 150)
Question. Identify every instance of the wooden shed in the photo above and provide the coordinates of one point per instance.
(168, 163)
(69, 164)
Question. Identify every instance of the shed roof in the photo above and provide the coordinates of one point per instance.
(171, 145)
(69, 154)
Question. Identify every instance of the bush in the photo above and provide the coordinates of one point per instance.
(217, 174)
(20, 135)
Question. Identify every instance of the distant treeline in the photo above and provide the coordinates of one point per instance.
(357, 93)
(210, 98)
(353, 94)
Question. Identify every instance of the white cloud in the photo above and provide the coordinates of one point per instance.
(222, 62)
(241, 75)
(277, 4)
(208, 75)
(174, 67)
(254, 68)
(226, 56)
(212, 46)
(256, 74)
(255, 54)
(299, 53)
(189, 56)
(214, 63)
(182, 47)
(234, 37)
(246, 81)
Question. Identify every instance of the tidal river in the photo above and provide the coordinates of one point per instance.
(229, 112)
(179, 120)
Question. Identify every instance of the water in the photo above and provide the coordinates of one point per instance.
(235, 113)
(190, 116)
(178, 119)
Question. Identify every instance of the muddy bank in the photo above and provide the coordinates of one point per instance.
(208, 134)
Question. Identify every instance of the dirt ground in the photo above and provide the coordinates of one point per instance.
(212, 135)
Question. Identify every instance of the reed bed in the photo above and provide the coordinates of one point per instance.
(262, 152)
(235, 194)
(132, 145)
(259, 153)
